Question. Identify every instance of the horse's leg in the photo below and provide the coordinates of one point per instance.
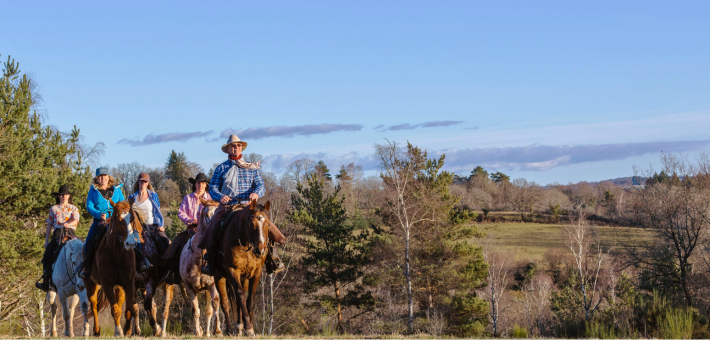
(169, 291)
(92, 291)
(131, 305)
(214, 296)
(210, 314)
(224, 298)
(235, 280)
(52, 300)
(84, 311)
(253, 283)
(150, 307)
(192, 297)
(112, 296)
(68, 308)
(245, 312)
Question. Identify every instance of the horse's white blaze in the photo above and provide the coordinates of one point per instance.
(127, 217)
(261, 230)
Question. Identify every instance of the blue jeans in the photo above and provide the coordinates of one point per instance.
(91, 238)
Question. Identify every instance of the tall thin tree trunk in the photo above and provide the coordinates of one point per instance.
(408, 276)
(271, 303)
(340, 308)
(41, 318)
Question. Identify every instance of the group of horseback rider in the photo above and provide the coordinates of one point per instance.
(234, 182)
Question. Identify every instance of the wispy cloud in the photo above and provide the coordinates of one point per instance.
(408, 126)
(289, 131)
(164, 138)
(544, 157)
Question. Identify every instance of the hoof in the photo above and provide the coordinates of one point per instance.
(158, 331)
(250, 333)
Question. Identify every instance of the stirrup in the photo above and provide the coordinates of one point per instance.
(84, 270)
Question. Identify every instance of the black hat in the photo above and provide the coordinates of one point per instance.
(63, 190)
(199, 178)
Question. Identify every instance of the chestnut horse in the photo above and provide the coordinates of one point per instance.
(195, 281)
(115, 270)
(238, 270)
(152, 279)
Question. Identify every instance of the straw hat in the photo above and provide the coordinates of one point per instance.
(234, 139)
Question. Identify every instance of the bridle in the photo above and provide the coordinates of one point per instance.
(251, 244)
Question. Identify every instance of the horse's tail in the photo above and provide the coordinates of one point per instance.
(101, 300)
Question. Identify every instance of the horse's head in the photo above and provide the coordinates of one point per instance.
(208, 209)
(120, 225)
(258, 226)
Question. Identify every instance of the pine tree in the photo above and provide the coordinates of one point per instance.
(34, 160)
(179, 170)
(323, 171)
(336, 251)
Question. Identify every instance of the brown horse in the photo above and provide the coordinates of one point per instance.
(152, 279)
(114, 270)
(195, 281)
(238, 271)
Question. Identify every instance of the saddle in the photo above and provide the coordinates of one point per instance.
(175, 248)
(228, 218)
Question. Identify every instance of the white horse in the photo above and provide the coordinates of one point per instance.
(195, 281)
(70, 288)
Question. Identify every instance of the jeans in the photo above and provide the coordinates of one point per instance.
(90, 239)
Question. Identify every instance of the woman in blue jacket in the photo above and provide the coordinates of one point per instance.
(104, 187)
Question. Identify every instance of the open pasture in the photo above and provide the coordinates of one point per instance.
(532, 240)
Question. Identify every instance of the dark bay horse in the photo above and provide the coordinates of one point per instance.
(152, 279)
(115, 269)
(238, 271)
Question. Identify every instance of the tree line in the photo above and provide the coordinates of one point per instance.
(401, 252)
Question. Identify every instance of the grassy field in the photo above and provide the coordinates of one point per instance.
(533, 240)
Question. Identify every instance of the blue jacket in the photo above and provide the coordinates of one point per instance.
(153, 197)
(97, 204)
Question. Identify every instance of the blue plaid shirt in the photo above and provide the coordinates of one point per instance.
(250, 181)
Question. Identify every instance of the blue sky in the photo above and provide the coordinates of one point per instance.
(550, 91)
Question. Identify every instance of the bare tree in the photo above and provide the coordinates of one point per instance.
(497, 281)
(589, 261)
(300, 169)
(523, 196)
(409, 179)
(675, 205)
(536, 300)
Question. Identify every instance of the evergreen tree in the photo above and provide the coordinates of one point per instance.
(336, 251)
(478, 172)
(34, 160)
(179, 170)
(500, 177)
(323, 171)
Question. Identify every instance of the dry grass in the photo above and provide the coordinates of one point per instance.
(533, 240)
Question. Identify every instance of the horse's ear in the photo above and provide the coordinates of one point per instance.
(267, 206)
(252, 205)
(131, 201)
(112, 204)
(202, 201)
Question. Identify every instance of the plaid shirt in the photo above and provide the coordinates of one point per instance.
(250, 181)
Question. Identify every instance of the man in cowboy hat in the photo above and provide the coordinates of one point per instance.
(236, 182)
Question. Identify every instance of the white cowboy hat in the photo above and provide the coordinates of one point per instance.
(234, 139)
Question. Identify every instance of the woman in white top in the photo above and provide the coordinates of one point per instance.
(147, 202)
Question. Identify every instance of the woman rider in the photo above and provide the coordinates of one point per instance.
(188, 213)
(63, 219)
(103, 188)
(147, 203)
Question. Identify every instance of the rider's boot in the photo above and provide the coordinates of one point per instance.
(44, 285)
(273, 262)
(84, 268)
(142, 264)
(208, 259)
